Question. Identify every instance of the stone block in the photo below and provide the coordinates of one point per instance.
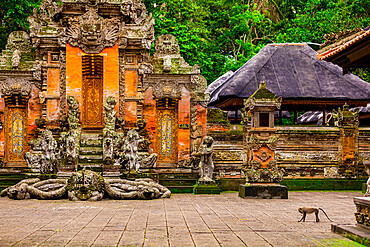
(211, 188)
(263, 191)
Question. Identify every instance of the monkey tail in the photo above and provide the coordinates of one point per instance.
(325, 214)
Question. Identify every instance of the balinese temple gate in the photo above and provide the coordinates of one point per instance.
(83, 76)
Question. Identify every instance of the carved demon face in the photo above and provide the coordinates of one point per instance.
(83, 185)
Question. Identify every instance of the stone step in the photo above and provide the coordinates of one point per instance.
(178, 182)
(91, 151)
(90, 158)
(178, 176)
(92, 142)
(181, 189)
(96, 167)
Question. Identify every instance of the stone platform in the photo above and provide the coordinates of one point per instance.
(263, 191)
(182, 220)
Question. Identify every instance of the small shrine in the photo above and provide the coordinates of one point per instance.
(81, 90)
(260, 139)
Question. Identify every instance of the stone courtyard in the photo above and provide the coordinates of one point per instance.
(182, 220)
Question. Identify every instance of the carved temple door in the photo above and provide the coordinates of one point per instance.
(16, 124)
(92, 91)
(167, 130)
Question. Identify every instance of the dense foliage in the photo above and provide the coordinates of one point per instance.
(221, 35)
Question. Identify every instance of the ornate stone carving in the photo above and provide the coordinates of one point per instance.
(63, 85)
(16, 59)
(18, 40)
(167, 89)
(91, 32)
(73, 113)
(109, 113)
(227, 155)
(145, 69)
(37, 70)
(260, 137)
(15, 86)
(34, 188)
(45, 15)
(331, 172)
(166, 44)
(86, 186)
(196, 132)
(206, 159)
(256, 174)
(46, 160)
(347, 121)
(131, 150)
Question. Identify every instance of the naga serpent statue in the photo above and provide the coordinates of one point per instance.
(86, 185)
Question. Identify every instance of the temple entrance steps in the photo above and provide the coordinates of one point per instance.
(91, 150)
(179, 182)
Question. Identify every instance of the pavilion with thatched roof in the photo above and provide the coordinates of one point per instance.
(293, 72)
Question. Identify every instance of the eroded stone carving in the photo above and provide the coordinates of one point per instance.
(34, 188)
(44, 156)
(167, 89)
(166, 44)
(73, 113)
(131, 150)
(347, 121)
(16, 59)
(206, 159)
(13, 86)
(255, 173)
(109, 113)
(86, 186)
(18, 40)
(91, 32)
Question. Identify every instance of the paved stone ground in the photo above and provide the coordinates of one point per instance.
(182, 220)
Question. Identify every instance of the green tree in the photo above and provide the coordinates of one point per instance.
(13, 15)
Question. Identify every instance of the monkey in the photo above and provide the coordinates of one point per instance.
(306, 211)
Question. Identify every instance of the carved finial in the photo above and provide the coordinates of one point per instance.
(263, 84)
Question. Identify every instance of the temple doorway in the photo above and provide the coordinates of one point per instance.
(15, 135)
(167, 129)
(92, 91)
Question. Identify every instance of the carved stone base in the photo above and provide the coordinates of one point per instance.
(263, 191)
(363, 211)
(207, 188)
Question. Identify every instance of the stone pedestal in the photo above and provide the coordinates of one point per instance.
(362, 210)
(360, 231)
(263, 191)
(207, 187)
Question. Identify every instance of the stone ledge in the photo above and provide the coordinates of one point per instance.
(363, 233)
(263, 191)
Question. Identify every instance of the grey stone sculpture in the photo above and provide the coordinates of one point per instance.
(86, 186)
(109, 114)
(131, 150)
(73, 113)
(45, 155)
(206, 163)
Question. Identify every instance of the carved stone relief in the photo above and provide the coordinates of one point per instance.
(91, 32)
(15, 86)
(167, 89)
(166, 45)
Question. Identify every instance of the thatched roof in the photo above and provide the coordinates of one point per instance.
(293, 72)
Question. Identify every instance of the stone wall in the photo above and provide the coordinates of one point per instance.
(304, 152)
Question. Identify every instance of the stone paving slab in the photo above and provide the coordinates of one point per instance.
(182, 220)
